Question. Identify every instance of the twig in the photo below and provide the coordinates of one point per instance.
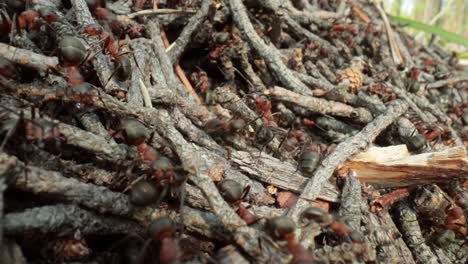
(179, 45)
(343, 151)
(397, 59)
(351, 199)
(411, 231)
(57, 218)
(40, 181)
(450, 81)
(319, 105)
(150, 12)
(28, 58)
(269, 53)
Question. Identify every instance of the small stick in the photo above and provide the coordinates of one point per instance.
(40, 181)
(155, 12)
(28, 58)
(450, 81)
(57, 218)
(388, 199)
(343, 151)
(320, 105)
(411, 231)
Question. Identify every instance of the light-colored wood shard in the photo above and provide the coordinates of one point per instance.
(394, 166)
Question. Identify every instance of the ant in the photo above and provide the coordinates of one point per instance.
(7, 68)
(415, 141)
(218, 127)
(164, 172)
(136, 134)
(282, 228)
(318, 215)
(143, 193)
(233, 193)
(161, 231)
(72, 53)
(309, 159)
(124, 66)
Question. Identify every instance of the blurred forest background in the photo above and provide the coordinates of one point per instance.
(450, 15)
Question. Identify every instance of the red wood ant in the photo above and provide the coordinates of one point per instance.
(163, 230)
(282, 228)
(7, 68)
(28, 20)
(136, 134)
(71, 54)
(309, 160)
(123, 67)
(143, 193)
(318, 215)
(233, 193)
(218, 127)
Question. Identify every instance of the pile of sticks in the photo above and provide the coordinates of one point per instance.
(227, 131)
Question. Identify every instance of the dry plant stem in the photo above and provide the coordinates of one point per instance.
(40, 181)
(283, 175)
(269, 53)
(101, 62)
(153, 12)
(409, 227)
(397, 59)
(351, 199)
(343, 151)
(444, 83)
(319, 105)
(180, 44)
(28, 58)
(141, 59)
(389, 199)
(57, 218)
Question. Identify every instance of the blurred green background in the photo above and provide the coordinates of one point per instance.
(450, 15)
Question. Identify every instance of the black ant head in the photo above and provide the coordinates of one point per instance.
(279, 227)
(143, 193)
(71, 51)
(161, 228)
(134, 131)
(317, 215)
(230, 190)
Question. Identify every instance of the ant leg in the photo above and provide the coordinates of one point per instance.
(182, 194)
(141, 258)
(162, 195)
(282, 141)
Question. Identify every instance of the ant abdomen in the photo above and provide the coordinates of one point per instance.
(308, 162)
(230, 190)
(143, 193)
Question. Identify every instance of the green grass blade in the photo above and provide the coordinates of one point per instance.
(463, 55)
(448, 36)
